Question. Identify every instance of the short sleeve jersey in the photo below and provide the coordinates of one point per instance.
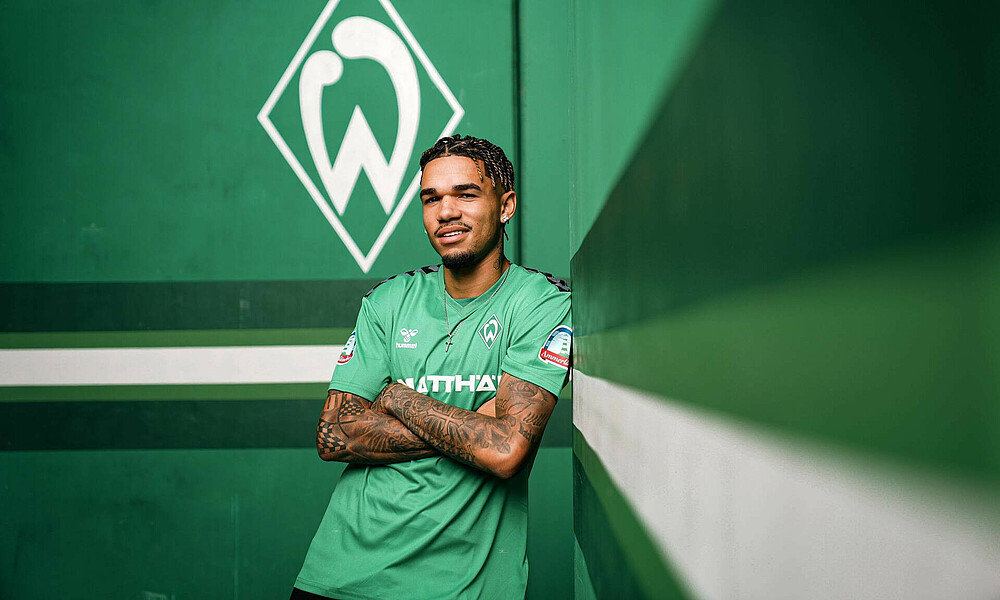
(436, 528)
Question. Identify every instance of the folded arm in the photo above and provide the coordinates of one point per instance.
(502, 444)
(350, 431)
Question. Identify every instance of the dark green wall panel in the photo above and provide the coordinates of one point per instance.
(792, 139)
(139, 306)
(182, 417)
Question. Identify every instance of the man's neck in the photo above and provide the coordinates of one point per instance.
(475, 280)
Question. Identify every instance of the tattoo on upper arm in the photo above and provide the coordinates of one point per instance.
(531, 405)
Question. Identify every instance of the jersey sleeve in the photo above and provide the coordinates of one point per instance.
(541, 340)
(363, 366)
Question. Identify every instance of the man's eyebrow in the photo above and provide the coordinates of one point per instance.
(458, 188)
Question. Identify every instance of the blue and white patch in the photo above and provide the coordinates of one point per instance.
(348, 352)
(555, 350)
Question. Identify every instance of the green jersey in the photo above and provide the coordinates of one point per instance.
(436, 528)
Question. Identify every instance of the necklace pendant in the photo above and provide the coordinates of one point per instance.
(447, 344)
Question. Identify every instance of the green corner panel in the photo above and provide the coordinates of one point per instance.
(583, 588)
(623, 58)
(550, 525)
(888, 354)
(544, 190)
(808, 235)
(795, 138)
(622, 560)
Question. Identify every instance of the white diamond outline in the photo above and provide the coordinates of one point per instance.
(264, 118)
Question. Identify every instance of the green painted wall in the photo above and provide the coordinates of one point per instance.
(785, 216)
(134, 152)
(145, 206)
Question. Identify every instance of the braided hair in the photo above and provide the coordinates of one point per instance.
(495, 163)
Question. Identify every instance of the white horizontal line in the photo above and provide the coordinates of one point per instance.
(168, 366)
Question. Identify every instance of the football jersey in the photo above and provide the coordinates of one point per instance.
(436, 528)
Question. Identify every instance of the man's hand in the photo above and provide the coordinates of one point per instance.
(349, 430)
(502, 444)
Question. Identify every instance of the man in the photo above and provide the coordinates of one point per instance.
(438, 403)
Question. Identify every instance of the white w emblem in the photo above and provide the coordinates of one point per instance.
(407, 333)
(361, 37)
(490, 331)
(354, 38)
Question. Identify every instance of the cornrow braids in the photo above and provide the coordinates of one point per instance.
(495, 163)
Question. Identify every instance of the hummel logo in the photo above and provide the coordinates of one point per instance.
(407, 334)
(490, 331)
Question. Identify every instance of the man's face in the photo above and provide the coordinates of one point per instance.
(461, 212)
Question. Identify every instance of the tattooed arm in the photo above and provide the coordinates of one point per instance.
(350, 431)
(501, 445)
(354, 431)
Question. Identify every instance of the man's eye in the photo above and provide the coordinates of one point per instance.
(429, 200)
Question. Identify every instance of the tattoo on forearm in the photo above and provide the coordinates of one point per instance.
(522, 409)
(350, 431)
(326, 439)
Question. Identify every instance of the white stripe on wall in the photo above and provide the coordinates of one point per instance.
(168, 366)
(744, 513)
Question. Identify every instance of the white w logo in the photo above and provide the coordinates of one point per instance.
(490, 331)
(361, 37)
(394, 180)
(407, 333)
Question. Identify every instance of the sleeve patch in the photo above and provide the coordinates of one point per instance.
(555, 350)
(348, 352)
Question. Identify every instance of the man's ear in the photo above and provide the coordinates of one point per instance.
(508, 205)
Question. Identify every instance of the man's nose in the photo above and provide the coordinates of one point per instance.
(448, 209)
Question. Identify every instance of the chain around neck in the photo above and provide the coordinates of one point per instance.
(444, 300)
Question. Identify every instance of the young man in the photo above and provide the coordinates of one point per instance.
(438, 403)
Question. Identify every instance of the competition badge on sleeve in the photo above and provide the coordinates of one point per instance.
(555, 350)
(348, 352)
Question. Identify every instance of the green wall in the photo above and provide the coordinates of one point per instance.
(147, 210)
(785, 253)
